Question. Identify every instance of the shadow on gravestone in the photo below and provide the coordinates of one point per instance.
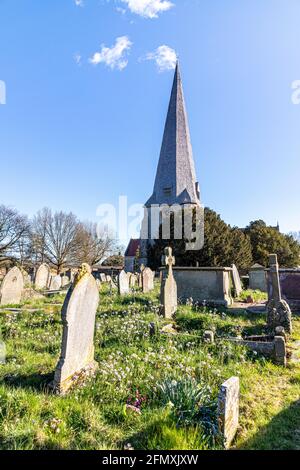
(78, 315)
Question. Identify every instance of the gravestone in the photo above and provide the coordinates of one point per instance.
(237, 285)
(278, 310)
(123, 283)
(55, 283)
(257, 278)
(132, 281)
(78, 316)
(147, 280)
(12, 287)
(42, 276)
(65, 281)
(228, 410)
(102, 277)
(168, 293)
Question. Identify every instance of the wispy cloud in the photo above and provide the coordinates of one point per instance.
(77, 58)
(79, 3)
(165, 58)
(148, 8)
(114, 57)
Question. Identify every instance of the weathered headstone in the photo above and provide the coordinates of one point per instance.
(123, 283)
(278, 310)
(55, 283)
(132, 281)
(78, 316)
(102, 277)
(209, 336)
(257, 278)
(42, 276)
(237, 285)
(12, 287)
(168, 293)
(65, 281)
(228, 410)
(147, 280)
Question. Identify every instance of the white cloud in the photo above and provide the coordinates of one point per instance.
(165, 58)
(148, 8)
(79, 3)
(113, 57)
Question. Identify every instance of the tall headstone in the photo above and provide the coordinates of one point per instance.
(12, 287)
(55, 283)
(42, 276)
(123, 283)
(278, 310)
(237, 285)
(78, 316)
(228, 410)
(147, 280)
(168, 293)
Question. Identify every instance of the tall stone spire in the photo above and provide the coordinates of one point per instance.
(175, 181)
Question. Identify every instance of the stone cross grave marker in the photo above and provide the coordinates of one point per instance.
(168, 293)
(78, 316)
(278, 310)
(12, 287)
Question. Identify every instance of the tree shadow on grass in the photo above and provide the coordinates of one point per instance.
(35, 382)
(281, 433)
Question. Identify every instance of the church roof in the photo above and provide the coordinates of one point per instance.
(133, 246)
(175, 181)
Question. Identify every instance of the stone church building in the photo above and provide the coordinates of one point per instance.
(175, 183)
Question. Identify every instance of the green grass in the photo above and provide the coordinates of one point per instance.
(171, 382)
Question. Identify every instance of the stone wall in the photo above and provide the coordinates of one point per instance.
(290, 287)
(211, 285)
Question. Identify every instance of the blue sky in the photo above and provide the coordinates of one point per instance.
(75, 134)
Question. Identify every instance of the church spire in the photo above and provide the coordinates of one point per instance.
(175, 181)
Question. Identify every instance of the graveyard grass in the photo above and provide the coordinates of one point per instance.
(147, 391)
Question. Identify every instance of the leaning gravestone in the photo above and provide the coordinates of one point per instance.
(78, 316)
(147, 280)
(123, 283)
(278, 310)
(55, 283)
(12, 287)
(168, 293)
(236, 281)
(42, 276)
(228, 410)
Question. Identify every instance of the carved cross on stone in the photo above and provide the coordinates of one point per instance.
(168, 259)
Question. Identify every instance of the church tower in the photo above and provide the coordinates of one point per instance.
(175, 181)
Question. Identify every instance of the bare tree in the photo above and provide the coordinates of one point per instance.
(55, 237)
(13, 228)
(93, 245)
